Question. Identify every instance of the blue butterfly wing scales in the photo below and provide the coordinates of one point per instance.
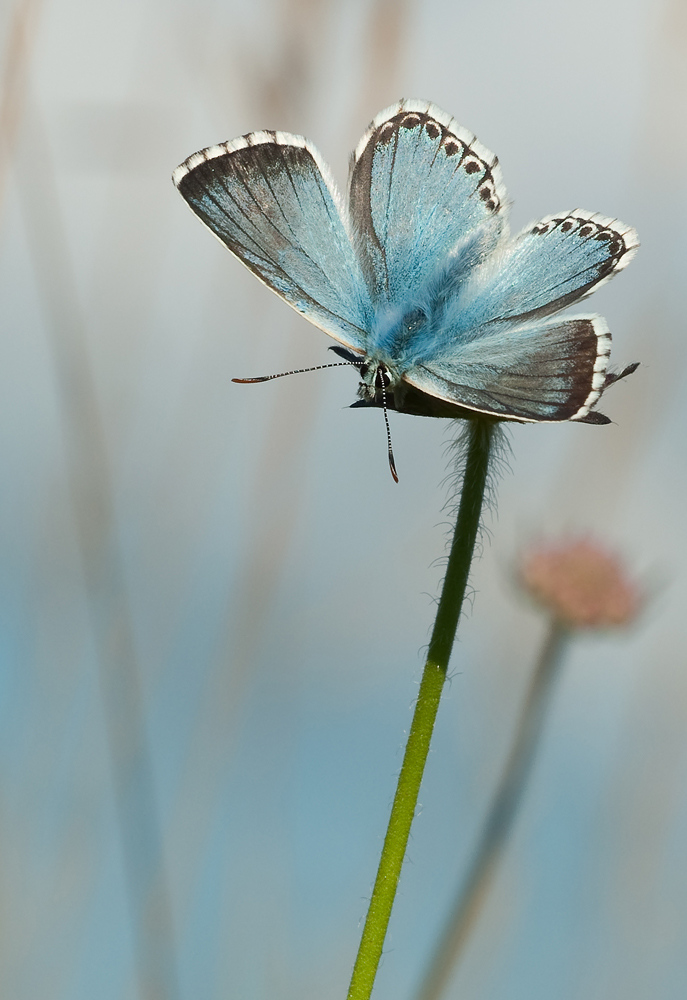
(420, 184)
(548, 266)
(268, 197)
(420, 274)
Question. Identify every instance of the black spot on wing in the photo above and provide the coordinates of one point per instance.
(409, 121)
(588, 229)
(450, 144)
(580, 278)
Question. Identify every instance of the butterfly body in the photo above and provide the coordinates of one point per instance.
(417, 275)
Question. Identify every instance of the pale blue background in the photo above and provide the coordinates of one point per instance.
(249, 548)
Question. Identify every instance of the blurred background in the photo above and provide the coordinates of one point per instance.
(214, 599)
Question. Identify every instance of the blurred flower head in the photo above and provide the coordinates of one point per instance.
(581, 584)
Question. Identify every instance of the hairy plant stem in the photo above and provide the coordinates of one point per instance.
(479, 441)
(499, 819)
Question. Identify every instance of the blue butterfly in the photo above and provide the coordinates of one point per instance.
(417, 278)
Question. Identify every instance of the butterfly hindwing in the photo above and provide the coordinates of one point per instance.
(269, 198)
(548, 266)
(545, 370)
(420, 185)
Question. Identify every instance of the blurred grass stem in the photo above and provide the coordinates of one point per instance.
(14, 81)
(479, 446)
(499, 819)
(92, 496)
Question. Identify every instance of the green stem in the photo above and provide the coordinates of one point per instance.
(500, 817)
(480, 436)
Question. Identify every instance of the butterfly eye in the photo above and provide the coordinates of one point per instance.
(382, 378)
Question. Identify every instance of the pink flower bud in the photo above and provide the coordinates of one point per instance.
(581, 584)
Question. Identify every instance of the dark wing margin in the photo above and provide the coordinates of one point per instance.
(548, 371)
(420, 184)
(269, 198)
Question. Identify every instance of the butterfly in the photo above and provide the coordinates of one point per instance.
(416, 276)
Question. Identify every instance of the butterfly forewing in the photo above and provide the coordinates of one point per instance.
(266, 197)
(551, 264)
(420, 185)
(547, 370)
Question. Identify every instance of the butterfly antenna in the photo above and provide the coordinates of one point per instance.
(392, 464)
(296, 371)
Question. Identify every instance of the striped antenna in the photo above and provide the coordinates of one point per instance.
(298, 371)
(380, 383)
